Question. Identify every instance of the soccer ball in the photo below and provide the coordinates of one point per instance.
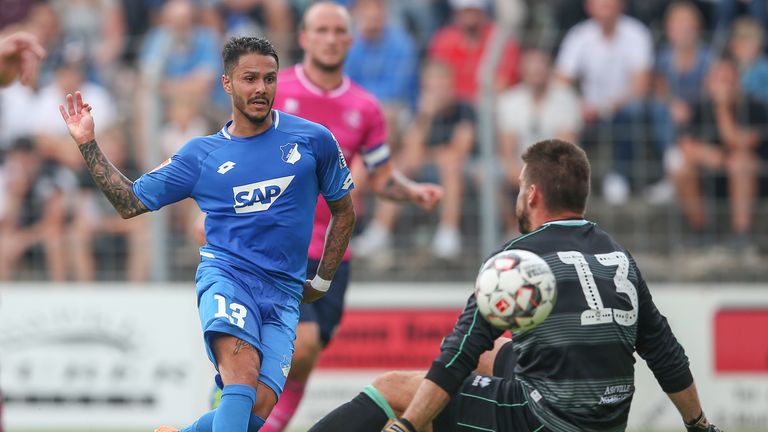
(515, 290)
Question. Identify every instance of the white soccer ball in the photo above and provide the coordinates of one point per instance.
(515, 290)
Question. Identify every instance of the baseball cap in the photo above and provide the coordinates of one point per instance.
(469, 4)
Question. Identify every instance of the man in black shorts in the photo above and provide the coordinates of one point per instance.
(573, 372)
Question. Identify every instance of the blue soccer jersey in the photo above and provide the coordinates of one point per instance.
(259, 193)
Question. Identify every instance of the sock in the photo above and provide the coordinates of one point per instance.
(367, 412)
(234, 412)
(203, 424)
(286, 406)
(255, 423)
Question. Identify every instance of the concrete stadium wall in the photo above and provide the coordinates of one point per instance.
(123, 356)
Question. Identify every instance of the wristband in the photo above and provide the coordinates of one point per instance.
(407, 424)
(698, 422)
(399, 425)
(320, 284)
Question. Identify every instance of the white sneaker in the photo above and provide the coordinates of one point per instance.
(673, 159)
(615, 189)
(447, 243)
(662, 192)
(375, 239)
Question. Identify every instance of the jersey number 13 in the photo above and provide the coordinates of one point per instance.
(597, 313)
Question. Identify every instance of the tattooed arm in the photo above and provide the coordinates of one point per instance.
(336, 241)
(115, 186)
(389, 183)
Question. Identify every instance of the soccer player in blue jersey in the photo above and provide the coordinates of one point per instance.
(257, 180)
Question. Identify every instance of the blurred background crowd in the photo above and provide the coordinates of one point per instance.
(668, 98)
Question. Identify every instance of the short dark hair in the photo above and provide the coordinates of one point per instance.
(237, 46)
(561, 171)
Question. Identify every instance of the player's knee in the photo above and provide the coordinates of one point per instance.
(307, 346)
(386, 384)
(398, 387)
(266, 399)
(304, 359)
(385, 381)
(238, 361)
(245, 372)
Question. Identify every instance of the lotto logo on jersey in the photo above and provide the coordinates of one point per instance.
(256, 197)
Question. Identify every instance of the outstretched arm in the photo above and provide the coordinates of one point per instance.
(115, 186)
(336, 242)
(388, 183)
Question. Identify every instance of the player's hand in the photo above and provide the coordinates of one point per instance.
(708, 428)
(311, 295)
(700, 424)
(399, 425)
(426, 195)
(20, 56)
(78, 117)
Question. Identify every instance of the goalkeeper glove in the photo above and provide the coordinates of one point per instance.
(700, 424)
(399, 425)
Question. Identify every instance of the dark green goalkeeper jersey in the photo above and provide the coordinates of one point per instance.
(577, 367)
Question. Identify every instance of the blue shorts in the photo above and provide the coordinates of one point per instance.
(327, 311)
(239, 304)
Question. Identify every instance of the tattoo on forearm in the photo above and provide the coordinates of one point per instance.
(396, 188)
(240, 345)
(337, 239)
(115, 186)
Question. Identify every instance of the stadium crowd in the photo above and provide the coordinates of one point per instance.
(666, 97)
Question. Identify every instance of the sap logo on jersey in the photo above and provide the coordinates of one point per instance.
(256, 197)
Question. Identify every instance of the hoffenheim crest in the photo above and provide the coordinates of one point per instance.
(285, 365)
(290, 152)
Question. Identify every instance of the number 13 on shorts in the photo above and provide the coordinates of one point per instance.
(237, 312)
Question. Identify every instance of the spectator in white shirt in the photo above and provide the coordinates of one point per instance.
(536, 109)
(610, 55)
(87, 215)
(51, 135)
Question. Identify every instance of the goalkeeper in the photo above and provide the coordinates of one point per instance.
(574, 372)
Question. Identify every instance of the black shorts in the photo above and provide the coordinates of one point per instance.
(495, 403)
(327, 311)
